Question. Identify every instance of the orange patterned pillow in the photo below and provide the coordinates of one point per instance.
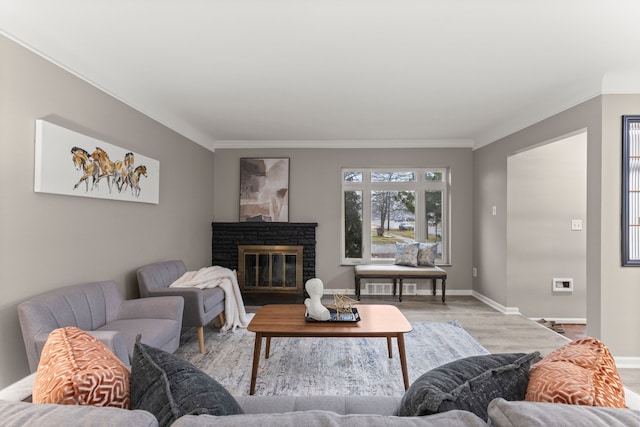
(77, 369)
(582, 372)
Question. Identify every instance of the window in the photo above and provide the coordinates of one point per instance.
(383, 206)
(631, 191)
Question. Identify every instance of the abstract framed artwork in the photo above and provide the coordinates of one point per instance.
(73, 164)
(264, 189)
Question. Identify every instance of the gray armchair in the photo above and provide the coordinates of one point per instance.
(201, 306)
(100, 309)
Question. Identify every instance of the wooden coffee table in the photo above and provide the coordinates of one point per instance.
(287, 320)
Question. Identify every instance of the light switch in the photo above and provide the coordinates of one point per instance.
(576, 225)
(494, 210)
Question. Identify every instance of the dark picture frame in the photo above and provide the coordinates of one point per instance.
(264, 189)
(630, 220)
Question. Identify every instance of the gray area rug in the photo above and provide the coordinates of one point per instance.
(326, 366)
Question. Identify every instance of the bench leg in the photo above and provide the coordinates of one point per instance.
(433, 286)
(444, 287)
(358, 288)
(401, 286)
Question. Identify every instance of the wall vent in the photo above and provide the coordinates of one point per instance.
(379, 288)
(387, 289)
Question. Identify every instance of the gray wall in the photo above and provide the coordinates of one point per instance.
(49, 241)
(490, 189)
(613, 292)
(546, 189)
(315, 196)
(620, 292)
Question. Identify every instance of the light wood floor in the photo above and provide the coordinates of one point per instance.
(497, 332)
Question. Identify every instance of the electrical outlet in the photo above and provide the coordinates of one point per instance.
(576, 225)
(494, 210)
(474, 271)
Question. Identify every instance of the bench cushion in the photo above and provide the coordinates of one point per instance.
(384, 270)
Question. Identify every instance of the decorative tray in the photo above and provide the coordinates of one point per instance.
(354, 316)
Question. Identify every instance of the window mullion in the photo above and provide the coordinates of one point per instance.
(366, 222)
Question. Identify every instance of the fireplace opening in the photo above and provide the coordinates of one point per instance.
(270, 268)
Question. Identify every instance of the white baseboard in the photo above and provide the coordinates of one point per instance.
(496, 306)
(388, 290)
(632, 362)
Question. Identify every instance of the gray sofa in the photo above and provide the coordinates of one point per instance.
(283, 411)
(100, 309)
(201, 306)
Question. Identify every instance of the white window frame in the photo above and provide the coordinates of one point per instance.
(420, 185)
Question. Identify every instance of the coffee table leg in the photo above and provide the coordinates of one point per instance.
(403, 360)
(267, 349)
(256, 359)
(389, 347)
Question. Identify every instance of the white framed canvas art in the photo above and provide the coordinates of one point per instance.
(73, 164)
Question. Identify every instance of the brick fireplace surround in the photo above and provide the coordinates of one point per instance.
(226, 236)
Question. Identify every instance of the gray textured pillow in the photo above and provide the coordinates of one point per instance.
(170, 387)
(427, 254)
(407, 254)
(469, 384)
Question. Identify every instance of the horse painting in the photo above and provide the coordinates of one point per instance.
(97, 165)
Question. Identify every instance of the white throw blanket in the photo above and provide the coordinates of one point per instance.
(210, 277)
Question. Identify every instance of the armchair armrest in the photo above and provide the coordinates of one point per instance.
(169, 307)
(115, 342)
(38, 342)
(192, 296)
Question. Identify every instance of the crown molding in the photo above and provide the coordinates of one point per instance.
(346, 143)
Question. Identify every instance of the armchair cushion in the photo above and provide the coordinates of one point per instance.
(161, 332)
(115, 341)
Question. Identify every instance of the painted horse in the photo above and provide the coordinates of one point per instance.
(135, 179)
(107, 167)
(123, 171)
(83, 161)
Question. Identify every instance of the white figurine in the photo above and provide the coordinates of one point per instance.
(315, 308)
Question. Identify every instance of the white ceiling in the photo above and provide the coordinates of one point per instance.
(392, 73)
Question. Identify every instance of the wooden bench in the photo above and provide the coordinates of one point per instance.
(399, 273)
